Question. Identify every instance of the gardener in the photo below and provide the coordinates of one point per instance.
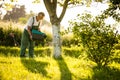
(26, 40)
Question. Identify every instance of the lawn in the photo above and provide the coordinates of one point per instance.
(73, 65)
(48, 68)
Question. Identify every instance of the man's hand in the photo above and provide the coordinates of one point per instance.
(31, 37)
(38, 29)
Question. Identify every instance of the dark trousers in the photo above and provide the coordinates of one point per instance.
(26, 42)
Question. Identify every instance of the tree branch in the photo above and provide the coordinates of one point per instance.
(51, 6)
(64, 9)
(48, 5)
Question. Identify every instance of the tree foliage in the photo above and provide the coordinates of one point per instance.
(113, 10)
(115, 2)
(96, 37)
(15, 14)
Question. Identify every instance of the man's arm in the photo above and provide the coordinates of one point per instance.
(29, 32)
(40, 25)
(29, 26)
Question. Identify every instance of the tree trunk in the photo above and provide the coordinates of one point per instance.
(56, 40)
(51, 6)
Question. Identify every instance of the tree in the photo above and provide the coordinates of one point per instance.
(12, 11)
(51, 6)
(113, 10)
(15, 14)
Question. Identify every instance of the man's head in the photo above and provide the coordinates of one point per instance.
(40, 16)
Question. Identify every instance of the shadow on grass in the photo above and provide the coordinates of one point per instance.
(35, 66)
(106, 73)
(116, 60)
(65, 72)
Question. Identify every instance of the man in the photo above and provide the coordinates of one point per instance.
(26, 41)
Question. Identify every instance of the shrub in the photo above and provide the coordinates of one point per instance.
(6, 38)
(96, 37)
(6, 28)
(1, 34)
(68, 40)
(73, 51)
(23, 20)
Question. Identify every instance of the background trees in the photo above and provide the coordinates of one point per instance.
(16, 13)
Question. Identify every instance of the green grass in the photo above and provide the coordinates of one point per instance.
(48, 68)
(44, 67)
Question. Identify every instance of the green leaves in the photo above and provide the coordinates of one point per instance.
(95, 36)
(113, 11)
(115, 2)
(36, 1)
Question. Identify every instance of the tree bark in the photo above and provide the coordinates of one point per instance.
(51, 7)
(56, 41)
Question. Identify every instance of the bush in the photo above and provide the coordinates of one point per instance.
(9, 35)
(7, 29)
(68, 40)
(96, 37)
(23, 20)
(73, 51)
(1, 35)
